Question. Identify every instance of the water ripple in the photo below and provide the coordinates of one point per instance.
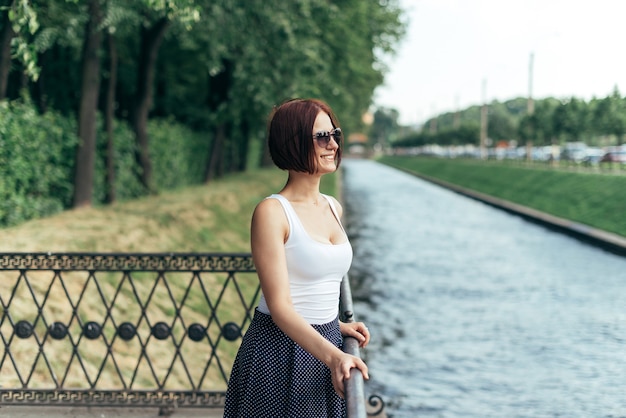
(475, 312)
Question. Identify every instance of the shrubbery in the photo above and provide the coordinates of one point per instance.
(36, 162)
(37, 154)
(178, 154)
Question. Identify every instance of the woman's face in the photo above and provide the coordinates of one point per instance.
(324, 154)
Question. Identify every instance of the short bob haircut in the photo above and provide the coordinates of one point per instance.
(290, 134)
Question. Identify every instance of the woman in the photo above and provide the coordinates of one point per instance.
(290, 362)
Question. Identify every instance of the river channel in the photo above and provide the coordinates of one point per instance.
(475, 312)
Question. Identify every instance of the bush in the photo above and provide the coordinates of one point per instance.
(36, 162)
(37, 154)
(178, 154)
(127, 184)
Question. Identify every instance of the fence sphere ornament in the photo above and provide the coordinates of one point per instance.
(58, 330)
(126, 331)
(161, 330)
(92, 330)
(23, 329)
(196, 332)
(231, 331)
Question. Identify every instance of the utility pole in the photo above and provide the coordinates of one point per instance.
(483, 123)
(433, 121)
(530, 106)
(457, 114)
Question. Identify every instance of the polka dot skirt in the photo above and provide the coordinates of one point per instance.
(273, 377)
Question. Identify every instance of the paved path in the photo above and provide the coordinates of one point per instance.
(86, 412)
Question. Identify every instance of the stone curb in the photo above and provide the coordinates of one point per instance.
(607, 240)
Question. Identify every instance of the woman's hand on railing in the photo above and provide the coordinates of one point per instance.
(340, 370)
(356, 330)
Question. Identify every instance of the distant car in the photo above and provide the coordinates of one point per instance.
(615, 156)
(545, 153)
(593, 156)
(574, 151)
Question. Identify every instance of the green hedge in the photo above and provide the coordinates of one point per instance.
(37, 154)
(178, 154)
(35, 167)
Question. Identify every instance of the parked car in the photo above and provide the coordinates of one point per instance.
(616, 155)
(574, 151)
(593, 156)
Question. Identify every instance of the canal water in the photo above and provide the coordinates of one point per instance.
(475, 312)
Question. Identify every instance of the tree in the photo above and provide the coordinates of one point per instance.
(385, 126)
(151, 38)
(352, 55)
(214, 77)
(158, 17)
(109, 118)
(609, 115)
(118, 17)
(218, 90)
(85, 156)
(501, 123)
(19, 21)
(527, 128)
(6, 35)
(570, 120)
(544, 110)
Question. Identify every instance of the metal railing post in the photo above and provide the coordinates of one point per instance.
(354, 387)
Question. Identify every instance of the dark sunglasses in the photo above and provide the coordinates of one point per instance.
(323, 137)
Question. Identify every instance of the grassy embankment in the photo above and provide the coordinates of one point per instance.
(211, 218)
(597, 199)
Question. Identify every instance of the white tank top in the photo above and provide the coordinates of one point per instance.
(315, 269)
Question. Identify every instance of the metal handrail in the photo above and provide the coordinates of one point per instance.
(354, 386)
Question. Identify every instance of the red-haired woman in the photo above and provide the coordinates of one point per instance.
(290, 363)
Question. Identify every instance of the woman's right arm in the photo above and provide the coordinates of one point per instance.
(269, 230)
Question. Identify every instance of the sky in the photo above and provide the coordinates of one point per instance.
(459, 53)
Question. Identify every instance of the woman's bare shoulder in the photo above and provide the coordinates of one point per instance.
(268, 206)
(269, 210)
(269, 220)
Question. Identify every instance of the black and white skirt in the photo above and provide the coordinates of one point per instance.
(273, 377)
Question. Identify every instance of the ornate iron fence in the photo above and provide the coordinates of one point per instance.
(122, 329)
(157, 330)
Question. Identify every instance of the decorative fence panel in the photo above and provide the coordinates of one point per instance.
(154, 330)
(122, 329)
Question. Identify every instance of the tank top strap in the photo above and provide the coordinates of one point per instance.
(292, 216)
(331, 203)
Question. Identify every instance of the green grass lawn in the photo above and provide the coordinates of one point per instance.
(592, 198)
